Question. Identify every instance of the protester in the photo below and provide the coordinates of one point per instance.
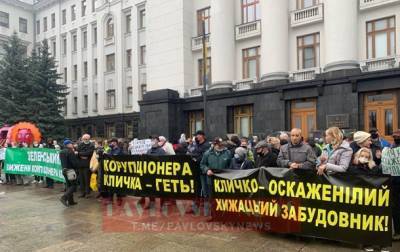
(363, 163)
(317, 150)
(115, 149)
(244, 143)
(337, 154)
(266, 157)
(214, 160)
(283, 138)
(69, 162)
(361, 139)
(196, 152)
(166, 146)
(240, 160)
(296, 154)
(275, 145)
(84, 152)
(377, 140)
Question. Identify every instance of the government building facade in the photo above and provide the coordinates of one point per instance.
(134, 68)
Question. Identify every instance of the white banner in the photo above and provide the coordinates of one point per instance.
(2, 153)
(140, 147)
(391, 161)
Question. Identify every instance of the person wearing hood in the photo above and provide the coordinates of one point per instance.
(240, 160)
(85, 151)
(266, 157)
(363, 163)
(337, 154)
(296, 154)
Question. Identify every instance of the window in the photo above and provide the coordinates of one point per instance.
(250, 11)
(308, 51)
(110, 62)
(83, 7)
(23, 25)
(75, 105)
(251, 63)
(203, 15)
(64, 45)
(110, 28)
(65, 75)
(96, 99)
(381, 37)
(129, 95)
(242, 123)
(74, 43)
(129, 130)
(303, 4)
(53, 20)
(110, 130)
(110, 99)
(201, 77)
(85, 70)
(75, 72)
(142, 55)
(73, 12)
(54, 48)
(64, 16)
(95, 67)
(45, 24)
(128, 58)
(93, 5)
(196, 122)
(94, 35)
(128, 23)
(4, 19)
(85, 104)
(143, 89)
(38, 26)
(142, 18)
(65, 107)
(84, 39)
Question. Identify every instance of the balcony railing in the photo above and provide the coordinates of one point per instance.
(197, 42)
(248, 30)
(380, 63)
(244, 84)
(367, 4)
(308, 15)
(305, 74)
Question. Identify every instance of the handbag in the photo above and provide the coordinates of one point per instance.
(70, 174)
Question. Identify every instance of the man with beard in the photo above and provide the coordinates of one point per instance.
(84, 152)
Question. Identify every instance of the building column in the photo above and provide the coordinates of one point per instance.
(222, 43)
(341, 34)
(275, 40)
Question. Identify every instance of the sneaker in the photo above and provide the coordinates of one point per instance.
(64, 201)
(34, 182)
(368, 249)
(1, 182)
(385, 249)
(40, 182)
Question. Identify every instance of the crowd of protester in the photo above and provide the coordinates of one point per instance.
(357, 153)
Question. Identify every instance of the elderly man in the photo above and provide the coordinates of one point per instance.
(296, 154)
(85, 151)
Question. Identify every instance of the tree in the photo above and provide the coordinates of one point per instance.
(13, 79)
(48, 96)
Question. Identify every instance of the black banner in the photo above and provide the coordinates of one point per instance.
(162, 176)
(342, 207)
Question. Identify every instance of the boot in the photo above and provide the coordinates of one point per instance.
(63, 200)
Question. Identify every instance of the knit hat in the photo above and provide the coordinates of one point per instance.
(361, 136)
(67, 141)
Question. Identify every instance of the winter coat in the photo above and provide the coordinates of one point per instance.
(216, 160)
(156, 151)
(68, 159)
(241, 165)
(85, 152)
(364, 169)
(340, 158)
(197, 150)
(268, 160)
(301, 154)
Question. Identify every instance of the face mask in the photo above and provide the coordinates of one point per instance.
(86, 141)
(363, 160)
(374, 136)
(397, 141)
(283, 142)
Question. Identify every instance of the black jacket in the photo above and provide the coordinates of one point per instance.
(198, 151)
(364, 169)
(237, 165)
(85, 152)
(68, 159)
(268, 160)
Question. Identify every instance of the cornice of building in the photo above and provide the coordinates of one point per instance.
(42, 4)
(18, 4)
